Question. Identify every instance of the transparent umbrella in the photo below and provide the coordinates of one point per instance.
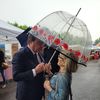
(63, 29)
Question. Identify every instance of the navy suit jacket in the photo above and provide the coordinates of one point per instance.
(28, 86)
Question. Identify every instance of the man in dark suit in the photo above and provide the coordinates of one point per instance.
(28, 71)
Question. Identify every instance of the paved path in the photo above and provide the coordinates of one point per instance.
(8, 93)
(86, 84)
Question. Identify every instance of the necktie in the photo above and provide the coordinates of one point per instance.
(42, 59)
(39, 58)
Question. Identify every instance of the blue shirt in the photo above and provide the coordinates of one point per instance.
(60, 87)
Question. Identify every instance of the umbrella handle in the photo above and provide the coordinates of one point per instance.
(73, 21)
(52, 56)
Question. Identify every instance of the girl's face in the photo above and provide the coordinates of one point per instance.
(61, 60)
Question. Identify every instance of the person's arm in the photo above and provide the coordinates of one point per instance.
(59, 92)
(19, 72)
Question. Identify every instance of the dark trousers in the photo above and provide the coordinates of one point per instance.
(2, 73)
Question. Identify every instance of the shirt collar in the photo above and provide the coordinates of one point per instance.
(31, 50)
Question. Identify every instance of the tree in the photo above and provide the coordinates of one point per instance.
(23, 27)
(97, 41)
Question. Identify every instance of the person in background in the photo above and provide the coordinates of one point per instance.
(59, 86)
(2, 59)
(28, 70)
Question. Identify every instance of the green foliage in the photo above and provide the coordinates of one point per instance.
(97, 41)
(23, 27)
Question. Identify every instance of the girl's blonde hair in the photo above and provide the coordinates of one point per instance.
(71, 65)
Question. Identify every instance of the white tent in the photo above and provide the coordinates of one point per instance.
(8, 32)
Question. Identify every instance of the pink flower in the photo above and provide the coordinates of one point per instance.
(65, 45)
(77, 53)
(83, 57)
(57, 41)
(41, 31)
(50, 37)
(35, 28)
(70, 50)
(86, 59)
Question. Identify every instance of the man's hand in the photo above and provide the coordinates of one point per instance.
(39, 68)
(47, 68)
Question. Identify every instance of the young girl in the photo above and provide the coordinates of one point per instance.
(59, 87)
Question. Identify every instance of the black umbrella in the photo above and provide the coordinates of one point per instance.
(22, 38)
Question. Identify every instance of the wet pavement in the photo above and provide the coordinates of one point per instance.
(85, 85)
(8, 93)
(86, 82)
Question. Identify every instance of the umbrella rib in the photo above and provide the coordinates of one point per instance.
(68, 21)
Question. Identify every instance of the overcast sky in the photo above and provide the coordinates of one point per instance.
(30, 12)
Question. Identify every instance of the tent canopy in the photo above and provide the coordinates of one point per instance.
(8, 32)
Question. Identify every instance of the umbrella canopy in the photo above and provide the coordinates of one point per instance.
(57, 30)
(77, 39)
